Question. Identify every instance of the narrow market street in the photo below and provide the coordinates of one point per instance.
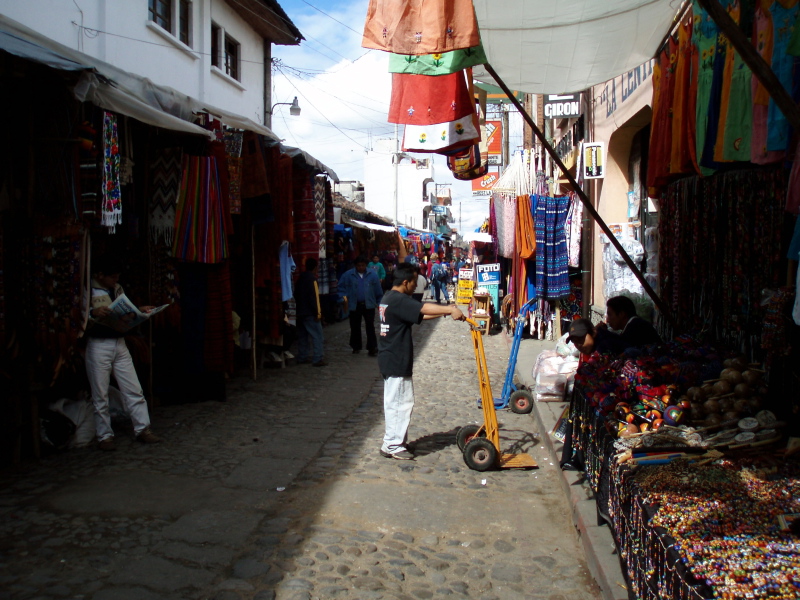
(281, 493)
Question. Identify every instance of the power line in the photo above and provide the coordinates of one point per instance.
(330, 17)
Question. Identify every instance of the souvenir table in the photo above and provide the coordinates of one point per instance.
(696, 527)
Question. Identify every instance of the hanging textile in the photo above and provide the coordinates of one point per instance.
(505, 208)
(233, 149)
(254, 174)
(428, 100)
(306, 226)
(319, 212)
(734, 220)
(763, 34)
(217, 151)
(441, 137)
(704, 38)
(661, 137)
(683, 156)
(573, 230)
(199, 220)
(437, 64)
(525, 228)
(166, 171)
(111, 209)
(420, 26)
(552, 279)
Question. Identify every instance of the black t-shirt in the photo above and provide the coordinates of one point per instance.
(398, 312)
(639, 332)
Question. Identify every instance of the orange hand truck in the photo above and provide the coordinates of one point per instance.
(480, 444)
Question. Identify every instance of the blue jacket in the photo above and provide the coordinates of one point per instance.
(348, 286)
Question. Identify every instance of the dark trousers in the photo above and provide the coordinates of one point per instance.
(368, 314)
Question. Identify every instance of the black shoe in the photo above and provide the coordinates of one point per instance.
(320, 363)
(356, 351)
(373, 353)
(402, 455)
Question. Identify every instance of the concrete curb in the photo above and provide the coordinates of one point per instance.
(598, 543)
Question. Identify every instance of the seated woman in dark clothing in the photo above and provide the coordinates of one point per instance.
(621, 316)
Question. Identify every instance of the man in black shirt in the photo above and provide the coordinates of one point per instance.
(398, 312)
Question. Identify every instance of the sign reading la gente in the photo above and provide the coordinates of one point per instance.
(562, 106)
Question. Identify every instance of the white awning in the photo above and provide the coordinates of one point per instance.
(547, 47)
(476, 236)
(373, 226)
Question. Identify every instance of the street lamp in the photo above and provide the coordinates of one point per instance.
(294, 110)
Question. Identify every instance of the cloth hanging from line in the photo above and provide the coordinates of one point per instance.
(552, 274)
(111, 210)
(428, 100)
(254, 174)
(288, 268)
(573, 229)
(525, 228)
(199, 223)
(438, 64)
(319, 213)
(166, 170)
(441, 136)
(420, 26)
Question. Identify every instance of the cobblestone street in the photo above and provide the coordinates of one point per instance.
(281, 493)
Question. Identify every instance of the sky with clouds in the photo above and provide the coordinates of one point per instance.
(343, 91)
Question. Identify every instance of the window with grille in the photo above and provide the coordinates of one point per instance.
(215, 53)
(184, 21)
(231, 57)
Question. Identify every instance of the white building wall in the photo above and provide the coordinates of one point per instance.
(153, 52)
(379, 184)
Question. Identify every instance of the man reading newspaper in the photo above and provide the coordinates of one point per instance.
(111, 314)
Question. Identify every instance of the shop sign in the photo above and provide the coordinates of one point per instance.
(562, 106)
(593, 163)
(439, 210)
(482, 186)
(488, 274)
(466, 286)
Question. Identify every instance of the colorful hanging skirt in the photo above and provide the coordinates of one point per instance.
(552, 271)
(428, 99)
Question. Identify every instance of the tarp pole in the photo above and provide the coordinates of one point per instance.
(662, 307)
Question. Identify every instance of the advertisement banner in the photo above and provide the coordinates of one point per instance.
(593, 161)
(494, 137)
(482, 186)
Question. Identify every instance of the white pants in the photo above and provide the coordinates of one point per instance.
(398, 404)
(105, 356)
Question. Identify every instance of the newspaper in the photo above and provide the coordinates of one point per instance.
(125, 315)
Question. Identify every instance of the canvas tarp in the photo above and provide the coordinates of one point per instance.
(546, 47)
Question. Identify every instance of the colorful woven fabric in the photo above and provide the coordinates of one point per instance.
(573, 230)
(199, 220)
(319, 212)
(552, 279)
(111, 209)
(233, 148)
(166, 171)
(306, 227)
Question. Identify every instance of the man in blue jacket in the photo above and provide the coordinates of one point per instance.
(362, 288)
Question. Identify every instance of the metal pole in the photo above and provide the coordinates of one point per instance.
(662, 307)
(396, 160)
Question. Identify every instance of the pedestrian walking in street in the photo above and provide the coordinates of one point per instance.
(309, 317)
(363, 291)
(107, 354)
(440, 278)
(377, 266)
(399, 311)
(422, 283)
